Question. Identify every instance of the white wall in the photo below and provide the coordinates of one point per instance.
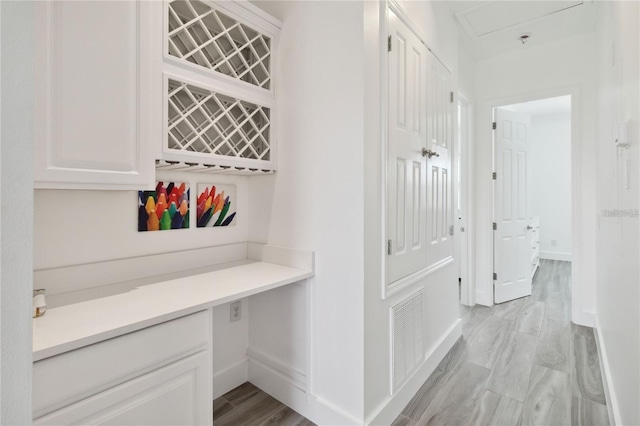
(230, 343)
(618, 277)
(16, 217)
(550, 156)
(74, 227)
(561, 68)
(315, 200)
(438, 29)
(466, 73)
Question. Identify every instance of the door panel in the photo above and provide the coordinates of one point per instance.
(419, 188)
(439, 185)
(406, 177)
(512, 247)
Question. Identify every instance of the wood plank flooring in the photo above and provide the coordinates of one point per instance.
(518, 363)
(247, 405)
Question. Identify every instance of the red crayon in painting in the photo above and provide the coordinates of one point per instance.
(203, 196)
(173, 197)
(181, 190)
(161, 205)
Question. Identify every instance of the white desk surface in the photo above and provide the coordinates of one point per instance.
(73, 326)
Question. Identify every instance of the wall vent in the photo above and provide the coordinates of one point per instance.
(407, 343)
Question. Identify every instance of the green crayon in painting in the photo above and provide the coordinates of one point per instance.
(173, 209)
(223, 213)
(165, 222)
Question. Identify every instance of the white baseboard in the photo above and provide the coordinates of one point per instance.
(555, 255)
(230, 378)
(289, 386)
(391, 407)
(289, 374)
(583, 318)
(613, 407)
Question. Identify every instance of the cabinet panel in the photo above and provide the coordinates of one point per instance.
(201, 35)
(210, 127)
(174, 395)
(92, 108)
(219, 103)
(70, 377)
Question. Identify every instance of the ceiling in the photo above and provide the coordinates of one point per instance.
(551, 106)
(489, 28)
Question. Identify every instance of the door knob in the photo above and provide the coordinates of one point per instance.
(529, 227)
(428, 153)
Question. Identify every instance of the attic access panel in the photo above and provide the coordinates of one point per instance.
(490, 17)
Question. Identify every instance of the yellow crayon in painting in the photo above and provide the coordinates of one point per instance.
(207, 204)
(153, 224)
(151, 205)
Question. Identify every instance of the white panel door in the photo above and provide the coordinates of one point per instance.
(406, 180)
(512, 249)
(92, 74)
(438, 162)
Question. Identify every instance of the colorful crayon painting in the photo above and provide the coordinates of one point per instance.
(165, 208)
(216, 205)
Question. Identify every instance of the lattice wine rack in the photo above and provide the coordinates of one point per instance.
(208, 38)
(219, 93)
(207, 122)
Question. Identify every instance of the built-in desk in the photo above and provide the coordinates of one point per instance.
(136, 352)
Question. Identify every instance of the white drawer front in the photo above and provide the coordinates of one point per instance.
(62, 380)
(173, 395)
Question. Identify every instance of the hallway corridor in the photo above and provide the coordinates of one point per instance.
(518, 363)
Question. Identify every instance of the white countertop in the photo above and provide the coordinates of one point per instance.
(73, 326)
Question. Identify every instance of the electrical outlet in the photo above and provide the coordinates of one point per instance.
(235, 312)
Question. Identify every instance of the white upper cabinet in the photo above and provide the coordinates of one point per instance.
(92, 95)
(218, 91)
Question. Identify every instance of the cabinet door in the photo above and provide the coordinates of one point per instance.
(406, 179)
(92, 95)
(440, 108)
(174, 395)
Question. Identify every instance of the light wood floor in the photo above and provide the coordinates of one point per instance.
(247, 405)
(518, 363)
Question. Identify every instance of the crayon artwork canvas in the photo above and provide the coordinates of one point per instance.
(216, 205)
(165, 208)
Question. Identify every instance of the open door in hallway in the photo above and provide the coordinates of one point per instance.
(512, 264)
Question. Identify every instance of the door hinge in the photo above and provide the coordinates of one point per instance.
(495, 226)
(451, 230)
(495, 276)
(389, 44)
(389, 247)
(494, 125)
(494, 175)
(452, 97)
